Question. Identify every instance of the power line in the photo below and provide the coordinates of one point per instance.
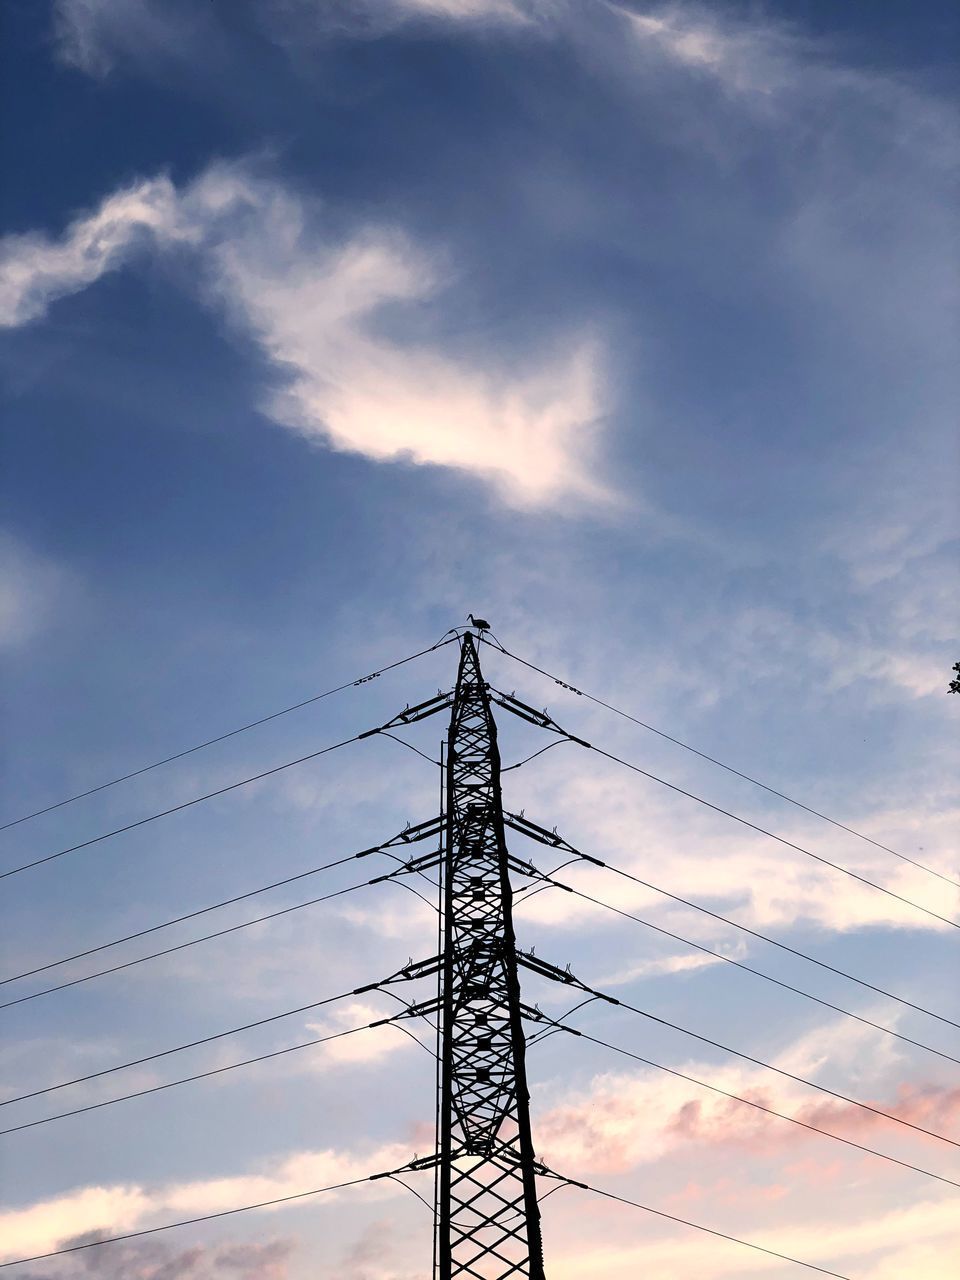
(554, 841)
(783, 946)
(720, 764)
(685, 1222)
(192, 942)
(758, 1106)
(200, 746)
(718, 955)
(203, 1075)
(422, 970)
(410, 835)
(758, 1062)
(165, 813)
(193, 1044)
(854, 875)
(189, 915)
(207, 1217)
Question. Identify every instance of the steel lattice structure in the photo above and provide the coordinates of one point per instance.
(488, 1220)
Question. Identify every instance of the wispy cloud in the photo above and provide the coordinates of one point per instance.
(917, 1241)
(36, 270)
(806, 194)
(321, 309)
(119, 1208)
(372, 1045)
(95, 36)
(656, 968)
(156, 1260)
(705, 858)
(364, 391)
(98, 37)
(32, 590)
(466, 10)
(623, 1120)
(746, 57)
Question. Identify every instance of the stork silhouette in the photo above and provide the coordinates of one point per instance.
(480, 623)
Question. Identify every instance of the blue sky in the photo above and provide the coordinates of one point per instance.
(629, 327)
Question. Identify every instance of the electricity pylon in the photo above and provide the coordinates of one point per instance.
(487, 1216)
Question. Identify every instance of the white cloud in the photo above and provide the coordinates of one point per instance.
(627, 1118)
(79, 36)
(373, 1044)
(466, 10)
(35, 270)
(766, 640)
(120, 1208)
(315, 314)
(94, 36)
(704, 857)
(319, 309)
(97, 36)
(654, 968)
(918, 1241)
(44, 1225)
(745, 58)
(148, 214)
(32, 589)
(80, 31)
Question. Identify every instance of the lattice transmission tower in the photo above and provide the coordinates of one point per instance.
(487, 1216)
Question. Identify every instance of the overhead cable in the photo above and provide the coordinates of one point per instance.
(758, 973)
(186, 804)
(402, 975)
(551, 839)
(768, 1066)
(757, 1106)
(783, 946)
(189, 915)
(207, 1217)
(685, 1222)
(204, 1075)
(207, 937)
(836, 866)
(719, 763)
(410, 835)
(232, 733)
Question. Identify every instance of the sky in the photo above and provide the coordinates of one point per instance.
(629, 327)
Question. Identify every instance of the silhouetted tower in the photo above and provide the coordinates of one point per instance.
(488, 1221)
